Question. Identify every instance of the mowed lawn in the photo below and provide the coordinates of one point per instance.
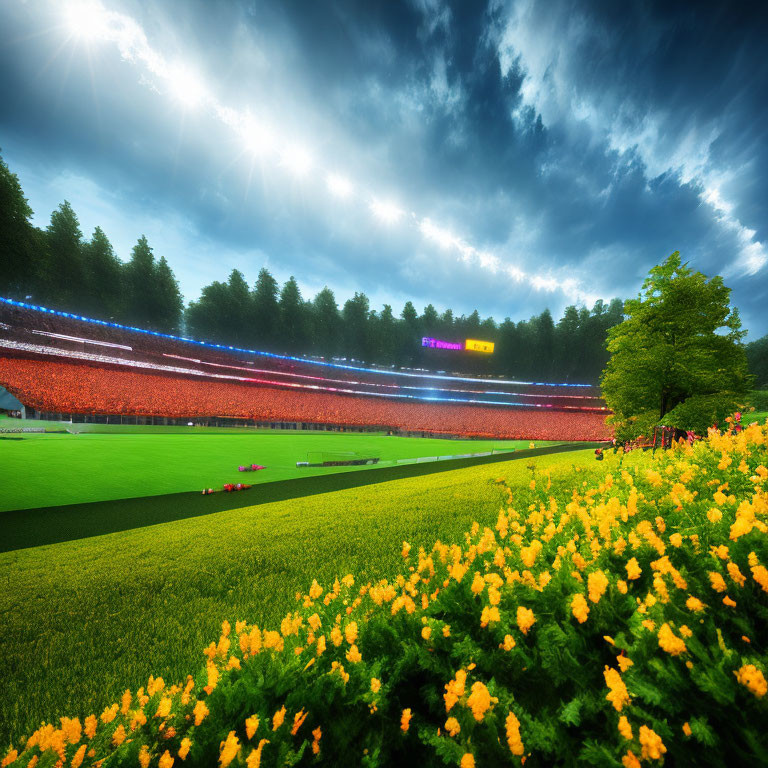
(40, 470)
(86, 619)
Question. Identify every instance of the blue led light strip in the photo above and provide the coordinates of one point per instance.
(273, 355)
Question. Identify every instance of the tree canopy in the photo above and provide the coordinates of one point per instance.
(680, 339)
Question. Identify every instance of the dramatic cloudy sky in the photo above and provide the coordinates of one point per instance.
(531, 154)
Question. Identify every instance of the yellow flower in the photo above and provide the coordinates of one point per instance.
(118, 737)
(478, 584)
(315, 590)
(78, 757)
(405, 719)
(452, 726)
(479, 701)
(633, 569)
(254, 759)
(90, 726)
(278, 718)
(751, 677)
(736, 574)
(9, 758)
(525, 619)
(350, 633)
(468, 760)
(109, 714)
(625, 729)
(426, 632)
(251, 725)
(406, 549)
(298, 721)
(229, 749)
(317, 734)
(579, 608)
(669, 642)
(509, 643)
(687, 729)
(694, 604)
(621, 585)
(717, 581)
(72, 729)
(145, 757)
(624, 662)
(164, 707)
(375, 684)
(652, 746)
(714, 515)
(489, 615)
(200, 712)
(676, 540)
(512, 728)
(166, 761)
(454, 689)
(353, 655)
(630, 760)
(321, 645)
(314, 622)
(618, 696)
(186, 743)
(597, 583)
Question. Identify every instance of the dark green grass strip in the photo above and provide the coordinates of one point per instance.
(25, 528)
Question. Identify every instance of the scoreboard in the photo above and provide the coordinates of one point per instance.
(472, 345)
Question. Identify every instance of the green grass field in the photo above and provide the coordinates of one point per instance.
(83, 620)
(41, 470)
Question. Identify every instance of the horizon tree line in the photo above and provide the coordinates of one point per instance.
(57, 266)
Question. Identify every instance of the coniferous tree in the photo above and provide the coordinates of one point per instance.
(139, 274)
(168, 305)
(266, 311)
(326, 323)
(355, 326)
(17, 241)
(293, 318)
(104, 278)
(63, 275)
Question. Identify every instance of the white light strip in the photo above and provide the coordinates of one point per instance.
(90, 21)
(81, 340)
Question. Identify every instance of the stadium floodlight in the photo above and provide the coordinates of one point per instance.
(339, 186)
(184, 85)
(296, 159)
(386, 211)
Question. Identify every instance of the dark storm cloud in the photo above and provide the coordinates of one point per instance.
(567, 138)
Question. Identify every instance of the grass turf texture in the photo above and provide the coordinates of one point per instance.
(84, 619)
(43, 470)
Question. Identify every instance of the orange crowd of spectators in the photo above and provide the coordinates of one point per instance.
(75, 388)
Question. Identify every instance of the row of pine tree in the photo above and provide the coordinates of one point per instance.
(58, 267)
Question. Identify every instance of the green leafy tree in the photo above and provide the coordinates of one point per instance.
(17, 252)
(680, 339)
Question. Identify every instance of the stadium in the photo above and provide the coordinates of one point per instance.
(381, 425)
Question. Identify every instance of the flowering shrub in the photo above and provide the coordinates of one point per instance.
(73, 388)
(615, 623)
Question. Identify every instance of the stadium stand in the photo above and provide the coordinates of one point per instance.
(55, 362)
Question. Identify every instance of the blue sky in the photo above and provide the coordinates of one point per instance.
(500, 156)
